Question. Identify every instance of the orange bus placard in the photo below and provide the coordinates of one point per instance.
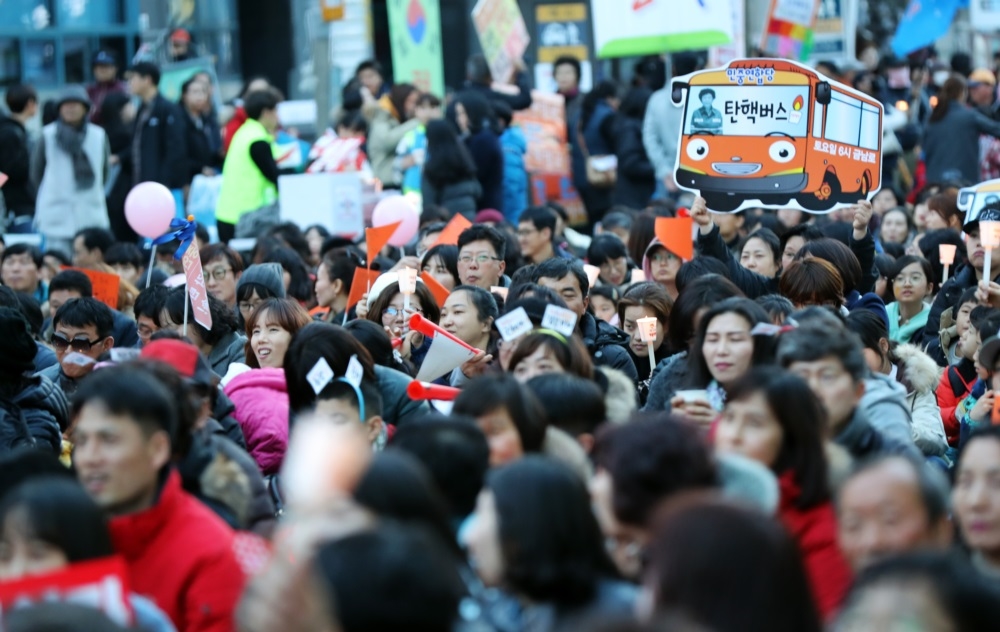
(774, 133)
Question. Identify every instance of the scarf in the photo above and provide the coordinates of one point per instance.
(70, 139)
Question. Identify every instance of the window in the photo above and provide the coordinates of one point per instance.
(40, 63)
(10, 62)
(853, 122)
(818, 110)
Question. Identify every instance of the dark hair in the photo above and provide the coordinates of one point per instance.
(697, 268)
(124, 253)
(374, 338)
(703, 292)
(285, 313)
(483, 301)
(188, 399)
(354, 121)
(359, 570)
(803, 425)
(477, 69)
(224, 321)
(397, 486)
(930, 248)
(502, 111)
(341, 391)
(557, 268)
(811, 342)
(369, 64)
(448, 255)
(777, 306)
(300, 287)
(840, 256)
(57, 511)
(541, 217)
(566, 60)
(648, 294)
(428, 303)
(534, 299)
(80, 312)
(770, 240)
(150, 303)
(486, 394)
(477, 109)
(19, 96)
(649, 459)
(705, 547)
(211, 252)
(398, 94)
(807, 232)
(925, 267)
(96, 238)
(605, 247)
(634, 103)
(982, 318)
(23, 249)
(32, 312)
(605, 89)
(568, 351)
(147, 69)
(699, 375)
(812, 282)
(448, 159)
(932, 484)
(642, 233)
(551, 544)
(482, 232)
(571, 403)
(258, 101)
(953, 90)
(145, 401)
(426, 99)
(72, 280)
(314, 341)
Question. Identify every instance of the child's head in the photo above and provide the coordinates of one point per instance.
(984, 322)
(352, 124)
(428, 108)
(604, 301)
(504, 114)
(966, 303)
(339, 401)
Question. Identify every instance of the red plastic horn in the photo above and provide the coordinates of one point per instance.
(425, 390)
(428, 328)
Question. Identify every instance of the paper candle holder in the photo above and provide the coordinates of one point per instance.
(989, 234)
(647, 328)
(947, 254)
(407, 280)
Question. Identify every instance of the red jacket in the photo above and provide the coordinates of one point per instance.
(815, 531)
(180, 555)
(233, 126)
(948, 401)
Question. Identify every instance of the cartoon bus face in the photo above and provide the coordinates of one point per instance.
(774, 133)
(973, 199)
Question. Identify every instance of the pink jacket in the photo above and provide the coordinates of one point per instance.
(261, 400)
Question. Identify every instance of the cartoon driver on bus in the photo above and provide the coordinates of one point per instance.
(706, 118)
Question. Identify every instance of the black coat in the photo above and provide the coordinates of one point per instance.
(199, 146)
(159, 144)
(488, 156)
(636, 174)
(15, 159)
(36, 417)
(606, 344)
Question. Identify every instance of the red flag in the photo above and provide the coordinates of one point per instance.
(376, 239)
(439, 291)
(675, 234)
(195, 280)
(454, 228)
(363, 279)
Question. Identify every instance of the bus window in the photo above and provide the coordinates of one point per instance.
(871, 132)
(843, 119)
(818, 121)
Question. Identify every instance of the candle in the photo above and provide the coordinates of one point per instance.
(407, 285)
(647, 333)
(989, 235)
(946, 253)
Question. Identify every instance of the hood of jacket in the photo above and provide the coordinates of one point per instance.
(270, 275)
(597, 333)
(619, 395)
(44, 395)
(920, 374)
(858, 437)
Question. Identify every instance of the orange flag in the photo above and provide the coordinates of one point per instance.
(439, 291)
(105, 286)
(376, 239)
(454, 228)
(363, 279)
(675, 234)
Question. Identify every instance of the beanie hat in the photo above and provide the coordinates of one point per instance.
(17, 347)
(76, 94)
(270, 275)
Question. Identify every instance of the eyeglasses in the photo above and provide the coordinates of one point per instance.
(218, 274)
(524, 232)
(480, 259)
(393, 312)
(663, 257)
(249, 307)
(80, 345)
(914, 279)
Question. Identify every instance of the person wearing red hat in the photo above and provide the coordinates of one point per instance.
(180, 45)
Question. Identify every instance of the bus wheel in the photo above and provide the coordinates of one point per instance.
(866, 184)
(827, 193)
(722, 203)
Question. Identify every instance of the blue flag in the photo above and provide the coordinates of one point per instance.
(923, 23)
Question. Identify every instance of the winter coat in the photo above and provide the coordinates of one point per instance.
(261, 399)
(35, 417)
(955, 385)
(515, 176)
(619, 394)
(384, 134)
(182, 556)
(660, 131)
(913, 330)
(15, 160)
(946, 144)
(62, 209)
(598, 135)
(159, 147)
(887, 410)
(44, 357)
(860, 439)
(228, 427)
(669, 377)
(460, 198)
(484, 146)
(636, 174)
(947, 297)
(397, 407)
(918, 374)
(815, 533)
(504, 612)
(201, 152)
(606, 345)
(63, 382)
(227, 351)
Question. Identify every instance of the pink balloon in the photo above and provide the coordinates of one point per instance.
(397, 209)
(149, 208)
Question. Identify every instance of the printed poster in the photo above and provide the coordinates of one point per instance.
(789, 28)
(774, 133)
(833, 33)
(631, 28)
(502, 35)
(415, 31)
(101, 584)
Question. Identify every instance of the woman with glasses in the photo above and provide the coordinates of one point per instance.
(387, 307)
(661, 266)
(257, 284)
(912, 283)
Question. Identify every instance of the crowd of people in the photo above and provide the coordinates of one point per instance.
(805, 441)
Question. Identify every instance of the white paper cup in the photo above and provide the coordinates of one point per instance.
(692, 395)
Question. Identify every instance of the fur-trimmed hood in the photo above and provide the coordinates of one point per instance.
(619, 395)
(920, 374)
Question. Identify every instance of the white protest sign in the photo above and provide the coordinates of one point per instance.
(332, 200)
(355, 372)
(559, 319)
(320, 375)
(514, 325)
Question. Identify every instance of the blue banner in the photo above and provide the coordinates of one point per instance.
(923, 23)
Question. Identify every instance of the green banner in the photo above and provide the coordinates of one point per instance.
(415, 31)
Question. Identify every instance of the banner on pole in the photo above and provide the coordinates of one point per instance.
(415, 31)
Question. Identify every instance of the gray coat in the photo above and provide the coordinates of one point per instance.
(951, 145)
(661, 129)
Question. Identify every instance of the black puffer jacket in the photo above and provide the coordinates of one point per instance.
(37, 415)
(606, 344)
